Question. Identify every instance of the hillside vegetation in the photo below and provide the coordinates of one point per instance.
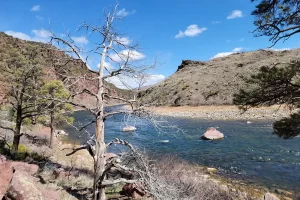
(56, 65)
(213, 82)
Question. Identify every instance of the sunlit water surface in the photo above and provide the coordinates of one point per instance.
(249, 151)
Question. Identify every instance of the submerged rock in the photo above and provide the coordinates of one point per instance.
(164, 141)
(212, 134)
(129, 129)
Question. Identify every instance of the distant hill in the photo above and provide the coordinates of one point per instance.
(213, 82)
(50, 55)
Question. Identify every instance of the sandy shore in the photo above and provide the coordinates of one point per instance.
(223, 112)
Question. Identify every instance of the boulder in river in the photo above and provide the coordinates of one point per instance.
(212, 134)
(129, 129)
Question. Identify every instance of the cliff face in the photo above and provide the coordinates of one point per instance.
(55, 64)
(213, 82)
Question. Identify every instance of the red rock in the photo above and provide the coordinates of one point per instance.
(26, 187)
(110, 155)
(28, 168)
(212, 134)
(134, 190)
(6, 175)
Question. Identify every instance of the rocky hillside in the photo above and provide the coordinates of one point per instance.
(56, 64)
(213, 82)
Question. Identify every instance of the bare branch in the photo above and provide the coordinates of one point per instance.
(106, 183)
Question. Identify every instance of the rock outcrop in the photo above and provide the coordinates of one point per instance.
(17, 182)
(212, 134)
(6, 175)
(134, 190)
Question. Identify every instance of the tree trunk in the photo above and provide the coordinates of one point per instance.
(17, 133)
(51, 143)
(99, 165)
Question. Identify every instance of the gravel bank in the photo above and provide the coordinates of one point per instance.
(223, 112)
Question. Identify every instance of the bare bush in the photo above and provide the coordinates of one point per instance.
(171, 178)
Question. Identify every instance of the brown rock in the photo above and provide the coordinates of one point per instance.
(28, 168)
(110, 155)
(212, 134)
(26, 187)
(269, 196)
(134, 190)
(6, 175)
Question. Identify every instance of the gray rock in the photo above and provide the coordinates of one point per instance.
(269, 196)
(129, 129)
(212, 134)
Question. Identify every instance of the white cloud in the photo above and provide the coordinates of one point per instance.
(39, 17)
(40, 35)
(123, 13)
(19, 35)
(191, 31)
(80, 40)
(282, 49)
(237, 49)
(216, 22)
(125, 82)
(35, 8)
(235, 14)
(123, 40)
(224, 54)
(123, 55)
(107, 65)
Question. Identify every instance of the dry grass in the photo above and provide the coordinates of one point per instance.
(213, 82)
(191, 182)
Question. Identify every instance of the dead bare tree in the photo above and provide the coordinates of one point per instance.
(111, 46)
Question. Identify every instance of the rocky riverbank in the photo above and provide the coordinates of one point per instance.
(223, 112)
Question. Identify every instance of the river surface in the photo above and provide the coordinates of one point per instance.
(249, 151)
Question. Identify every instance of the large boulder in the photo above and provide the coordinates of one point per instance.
(25, 167)
(129, 129)
(134, 190)
(6, 175)
(26, 187)
(212, 134)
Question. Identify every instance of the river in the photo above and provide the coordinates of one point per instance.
(249, 151)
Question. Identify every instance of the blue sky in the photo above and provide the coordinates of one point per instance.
(171, 30)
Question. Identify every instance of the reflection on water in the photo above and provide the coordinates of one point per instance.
(249, 151)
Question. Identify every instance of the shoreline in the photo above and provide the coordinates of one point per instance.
(223, 112)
